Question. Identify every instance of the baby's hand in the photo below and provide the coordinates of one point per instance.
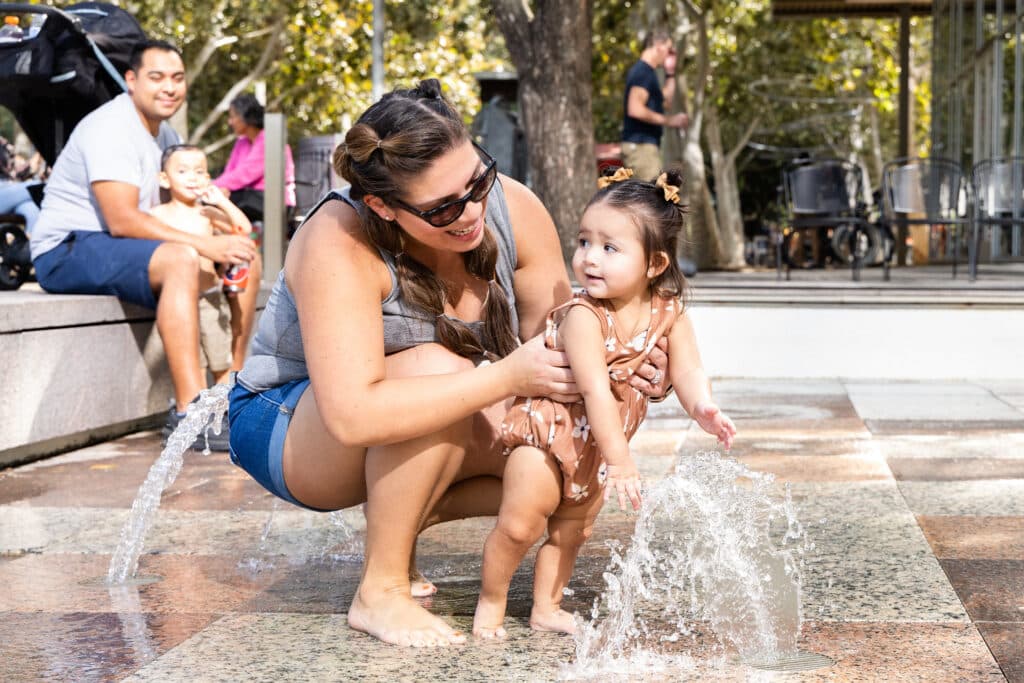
(713, 421)
(626, 481)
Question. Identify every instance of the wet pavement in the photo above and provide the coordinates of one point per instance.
(913, 494)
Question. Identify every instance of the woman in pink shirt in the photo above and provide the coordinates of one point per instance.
(242, 178)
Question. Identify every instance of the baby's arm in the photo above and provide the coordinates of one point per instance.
(584, 345)
(691, 384)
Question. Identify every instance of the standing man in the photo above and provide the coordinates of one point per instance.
(94, 235)
(644, 104)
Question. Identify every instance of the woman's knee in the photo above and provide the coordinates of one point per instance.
(426, 359)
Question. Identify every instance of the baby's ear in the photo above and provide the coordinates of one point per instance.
(658, 264)
(164, 181)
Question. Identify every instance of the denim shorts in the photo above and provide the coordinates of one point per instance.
(259, 422)
(93, 262)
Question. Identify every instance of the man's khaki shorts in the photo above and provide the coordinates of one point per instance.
(644, 158)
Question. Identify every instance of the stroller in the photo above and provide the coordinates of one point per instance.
(69, 62)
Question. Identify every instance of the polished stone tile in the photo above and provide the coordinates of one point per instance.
(287, 531)
(975, 538)
(83, 646)
(801, 387)
(323, 648)
(986, 497)
(956, 469)
(818, 468)
(205, 483)
(991, 590)
(166, 584)
(1006, 641)
(897, 652)
(783, 413)
(933, 401)
(804, 444)
(963, 445)
(869, 560)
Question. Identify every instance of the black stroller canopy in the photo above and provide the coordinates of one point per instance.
(74, 64)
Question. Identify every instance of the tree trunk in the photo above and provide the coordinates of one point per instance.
(550, 48)
(730, 215)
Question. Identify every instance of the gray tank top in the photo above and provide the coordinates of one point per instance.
(277, 356)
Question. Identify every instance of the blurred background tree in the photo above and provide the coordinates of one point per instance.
(314, 57)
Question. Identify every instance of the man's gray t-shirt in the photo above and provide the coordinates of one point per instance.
(110, 143)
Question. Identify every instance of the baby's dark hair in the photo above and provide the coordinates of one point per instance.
(660, 219)
(174, 149)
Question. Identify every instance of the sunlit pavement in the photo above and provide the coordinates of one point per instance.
(913, 494)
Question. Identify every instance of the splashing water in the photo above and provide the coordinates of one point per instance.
(205, 413)
(702, 554)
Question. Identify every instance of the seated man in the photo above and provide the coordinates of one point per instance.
(94, 235)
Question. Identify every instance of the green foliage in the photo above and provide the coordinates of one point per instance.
(844, 59)
(320, 76)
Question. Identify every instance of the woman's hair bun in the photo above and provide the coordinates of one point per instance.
(429, 88)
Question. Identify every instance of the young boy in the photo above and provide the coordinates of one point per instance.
(198, 207)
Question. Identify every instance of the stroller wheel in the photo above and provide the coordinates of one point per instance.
(15, 261)
(869, 244)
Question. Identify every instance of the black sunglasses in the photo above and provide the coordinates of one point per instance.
(445, 214)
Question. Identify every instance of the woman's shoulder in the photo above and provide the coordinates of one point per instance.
(335, 236)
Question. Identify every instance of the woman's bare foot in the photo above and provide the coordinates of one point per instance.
(558, 621)
(422, 587)
(487, 622)
(395, 618)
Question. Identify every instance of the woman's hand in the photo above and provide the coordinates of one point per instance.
(539, 371)
(713, 421)
(650, 377)
(625, 480)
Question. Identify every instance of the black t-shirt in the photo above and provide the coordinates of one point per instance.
(642, 75)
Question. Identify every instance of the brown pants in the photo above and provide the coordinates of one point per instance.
(644, 158)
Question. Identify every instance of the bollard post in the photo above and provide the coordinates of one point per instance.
(273, 200)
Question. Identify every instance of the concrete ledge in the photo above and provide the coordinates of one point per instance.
(892, 342)
(77, 369)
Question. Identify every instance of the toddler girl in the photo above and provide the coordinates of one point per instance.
(562, 455)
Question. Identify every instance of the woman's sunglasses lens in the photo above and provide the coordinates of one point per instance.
(483, 186)
(447, 215)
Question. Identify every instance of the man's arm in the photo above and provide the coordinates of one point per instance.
(636, 107)
(119, 204)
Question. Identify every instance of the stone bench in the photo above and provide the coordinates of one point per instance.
(76, 370)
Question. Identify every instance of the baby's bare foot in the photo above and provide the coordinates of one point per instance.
(421, 586)
(395, 618)
(558, 620)
(487, 622)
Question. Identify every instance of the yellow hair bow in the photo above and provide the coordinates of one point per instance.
(617, 177)
(671, 191)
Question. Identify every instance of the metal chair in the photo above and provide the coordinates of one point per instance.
(925, 191)
(824, 196)
(999, 203)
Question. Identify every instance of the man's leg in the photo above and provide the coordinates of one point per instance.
(174, 277)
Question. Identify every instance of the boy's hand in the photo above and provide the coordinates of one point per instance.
(713, 421)
(212, 195)
(626, 481)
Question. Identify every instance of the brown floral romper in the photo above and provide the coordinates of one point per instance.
(561, 429)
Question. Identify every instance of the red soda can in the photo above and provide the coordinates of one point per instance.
(236, 277)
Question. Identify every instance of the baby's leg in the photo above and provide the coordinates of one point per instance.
(568, 528)
(531, 490)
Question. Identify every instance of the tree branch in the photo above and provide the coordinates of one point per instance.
(269, 51)
(744, 139)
